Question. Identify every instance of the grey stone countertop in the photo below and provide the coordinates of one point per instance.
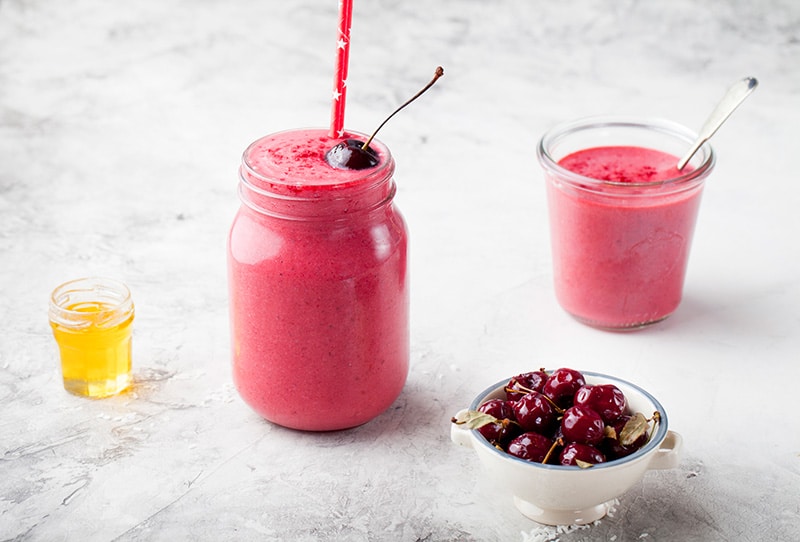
(121, 131)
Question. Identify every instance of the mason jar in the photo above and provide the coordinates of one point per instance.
(318, 285)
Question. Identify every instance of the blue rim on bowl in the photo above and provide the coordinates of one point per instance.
(654, 442)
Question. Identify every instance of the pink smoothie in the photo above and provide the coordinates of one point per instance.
(620, 248)
(318, 286)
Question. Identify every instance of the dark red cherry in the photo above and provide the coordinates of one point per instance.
(525, 382)
(350, 154)
(530, 446)
(504, 429)
(582, 425)
(580, 452)
(561, 386)
(499, 432)
(498, 408)
(605, 399)
(534, 412)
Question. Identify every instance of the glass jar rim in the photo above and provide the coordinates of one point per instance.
(666, 127)
(115, 293)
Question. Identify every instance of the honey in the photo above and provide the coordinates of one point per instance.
(92, 322)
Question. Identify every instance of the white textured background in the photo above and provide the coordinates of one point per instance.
(121, 127)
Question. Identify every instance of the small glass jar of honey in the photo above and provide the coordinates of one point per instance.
(92, 321)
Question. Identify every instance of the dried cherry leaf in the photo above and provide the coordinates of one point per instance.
(473, 419)
(583, 464)
(634, 428)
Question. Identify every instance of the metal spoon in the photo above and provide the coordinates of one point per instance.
(735, 96)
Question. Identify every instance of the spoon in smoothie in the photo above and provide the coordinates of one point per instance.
(735, 96)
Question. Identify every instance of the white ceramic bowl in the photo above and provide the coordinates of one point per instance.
(559, 495)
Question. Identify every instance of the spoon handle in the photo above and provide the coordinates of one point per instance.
(735, 96)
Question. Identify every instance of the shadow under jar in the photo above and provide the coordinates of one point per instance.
(317, 261)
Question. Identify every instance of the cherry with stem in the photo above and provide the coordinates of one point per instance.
(354, 154)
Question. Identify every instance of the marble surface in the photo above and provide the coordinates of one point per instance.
(121, 129)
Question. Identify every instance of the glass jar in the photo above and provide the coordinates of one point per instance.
(92, 322)
(318, 287)
(621, 237)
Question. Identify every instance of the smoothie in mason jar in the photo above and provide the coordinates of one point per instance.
(317, 260)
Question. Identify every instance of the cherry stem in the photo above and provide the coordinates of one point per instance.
(519, 388)
(439, 72)
(557, 408)
(556, 443)
(656, 417)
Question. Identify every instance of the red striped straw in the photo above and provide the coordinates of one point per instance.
(340, 74)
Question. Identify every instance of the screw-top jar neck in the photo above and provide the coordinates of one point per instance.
(285, 175)
(91, 302)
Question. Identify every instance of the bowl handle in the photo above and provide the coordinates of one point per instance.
(459, 434)
(668, 453)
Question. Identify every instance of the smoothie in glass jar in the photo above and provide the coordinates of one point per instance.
(317, 261)
(622, 217)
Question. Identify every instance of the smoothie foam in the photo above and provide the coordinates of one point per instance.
(297, 159)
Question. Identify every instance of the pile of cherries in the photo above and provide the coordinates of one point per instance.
(557, 418)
